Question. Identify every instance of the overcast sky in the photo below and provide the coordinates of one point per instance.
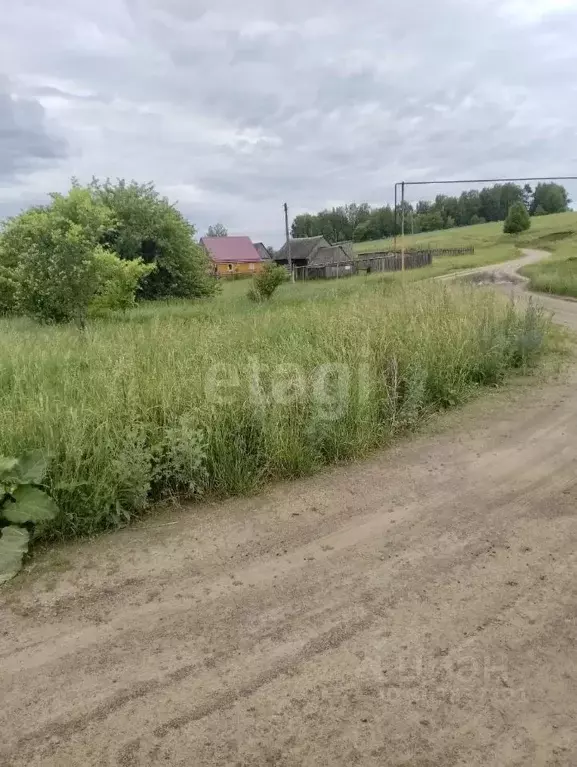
(233, 106)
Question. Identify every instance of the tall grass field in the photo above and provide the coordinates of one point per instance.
(558, 274)
(217, 397)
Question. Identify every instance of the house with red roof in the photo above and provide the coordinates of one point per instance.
(232, 256)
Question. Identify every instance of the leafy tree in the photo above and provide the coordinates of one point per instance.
(510, 194)
(469, 207)
(365, 232)
(51, 252)
(357, 214)
(432, 221)
(217, 230)
(528, 196)
(407, 207)
(477, 220)
(490, 199)
(539, 211)
(305, 225)
(117, 280)
(148, 227)
(451, 209)
(380, 224)
(100, 242)
(552, 198)
(334, 225)
(267, 281)
(518, 219)
(447, 207)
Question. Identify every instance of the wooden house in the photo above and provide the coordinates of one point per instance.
(232, 256)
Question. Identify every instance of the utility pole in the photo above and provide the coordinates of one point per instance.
(288, 242)
(403, 226)
(395, 220)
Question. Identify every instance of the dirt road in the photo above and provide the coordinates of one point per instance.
(416, 609)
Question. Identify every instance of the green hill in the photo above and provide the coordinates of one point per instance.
(546, 232)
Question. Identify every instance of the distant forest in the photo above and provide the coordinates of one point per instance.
(361, 222)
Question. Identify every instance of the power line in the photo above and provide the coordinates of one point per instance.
(488, 180)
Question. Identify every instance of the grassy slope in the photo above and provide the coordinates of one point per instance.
(557, 275)
(544, 231)
(557, 233)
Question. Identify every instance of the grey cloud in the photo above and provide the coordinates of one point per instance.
(24, 139)
(241, 104)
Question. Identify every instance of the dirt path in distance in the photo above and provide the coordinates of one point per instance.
(416, 609)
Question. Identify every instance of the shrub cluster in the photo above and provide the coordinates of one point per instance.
(266, 282)
(99, 246)
(518, 219)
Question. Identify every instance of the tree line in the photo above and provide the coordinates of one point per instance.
(361, 222)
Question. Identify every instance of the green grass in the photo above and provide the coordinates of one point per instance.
(545, 231)
(128, 413)
(557, 275)
(556, 233)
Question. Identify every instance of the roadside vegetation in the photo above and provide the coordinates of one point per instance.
(142, 394)
(557, 275)
(205, 399)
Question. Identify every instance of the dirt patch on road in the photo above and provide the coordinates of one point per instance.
(416, 609)
(495, 277)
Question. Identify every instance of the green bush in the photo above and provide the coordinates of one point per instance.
(51, 251)
(100, 245)
(267, 281)
(518, 219)
(117, 281)
(148, 227)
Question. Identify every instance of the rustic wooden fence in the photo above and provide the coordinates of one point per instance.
(393, 262)
(468, 251)
(367, 264)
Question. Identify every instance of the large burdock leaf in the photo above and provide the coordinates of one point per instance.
(13, 546)
(31, 505)
(31, 468)
(7, 467)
